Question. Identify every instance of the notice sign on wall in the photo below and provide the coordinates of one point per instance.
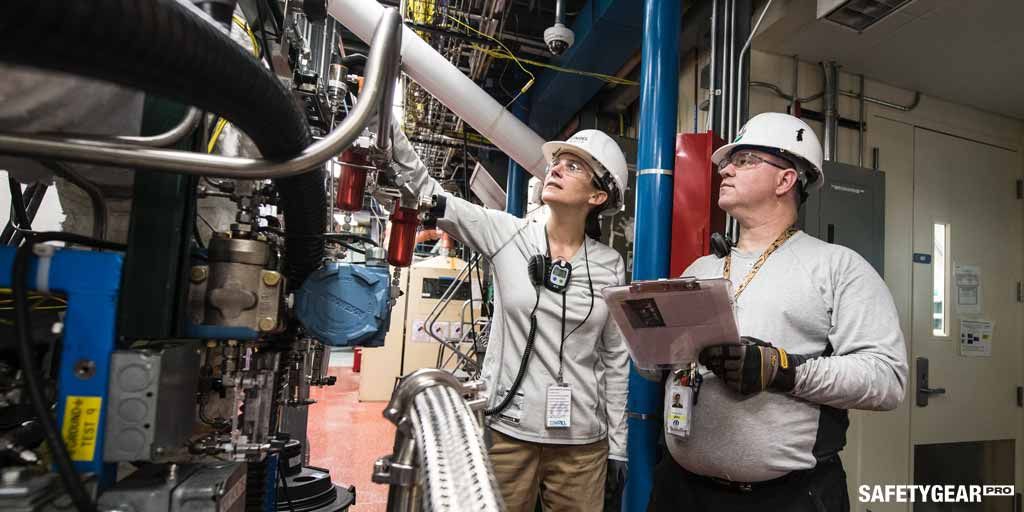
(968, 289)
(976, 338)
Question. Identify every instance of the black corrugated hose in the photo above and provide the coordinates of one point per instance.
(170, 48)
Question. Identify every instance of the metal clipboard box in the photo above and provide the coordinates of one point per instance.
(668, 322)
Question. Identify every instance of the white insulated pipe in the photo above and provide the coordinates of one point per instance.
(450, 86)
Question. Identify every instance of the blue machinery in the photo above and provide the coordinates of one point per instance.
(659, 75)
(90, 280)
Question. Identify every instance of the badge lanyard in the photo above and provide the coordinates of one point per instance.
(760, 261)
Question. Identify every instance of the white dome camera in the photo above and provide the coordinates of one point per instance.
(558, 38)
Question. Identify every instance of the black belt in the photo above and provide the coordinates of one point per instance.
(755, 486)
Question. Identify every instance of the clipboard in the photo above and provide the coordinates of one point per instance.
(667, 322)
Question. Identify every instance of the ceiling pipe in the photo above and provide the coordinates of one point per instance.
(450, 86)
(740, 89)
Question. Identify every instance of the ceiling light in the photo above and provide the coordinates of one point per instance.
(858, 14)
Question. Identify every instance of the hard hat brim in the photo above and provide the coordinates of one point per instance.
(552, 148)
(726, 150)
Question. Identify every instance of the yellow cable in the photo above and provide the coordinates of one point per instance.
(216, 134)
(252, 37)
(528, 84)
(221, 122)
(600, 76)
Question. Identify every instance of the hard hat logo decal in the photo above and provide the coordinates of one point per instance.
(800, 135)
(740, 134)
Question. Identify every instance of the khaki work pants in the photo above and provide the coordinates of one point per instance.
(567, 477)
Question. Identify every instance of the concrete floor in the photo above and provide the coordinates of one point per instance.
(347, 436)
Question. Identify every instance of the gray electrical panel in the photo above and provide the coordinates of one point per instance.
(179, 488)
(151, 408)
(849, 211)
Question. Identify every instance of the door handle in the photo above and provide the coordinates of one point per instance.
(923, 390)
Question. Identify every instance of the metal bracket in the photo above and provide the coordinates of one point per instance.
(385, 471)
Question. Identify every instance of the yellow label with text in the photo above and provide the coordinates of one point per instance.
(81, 426)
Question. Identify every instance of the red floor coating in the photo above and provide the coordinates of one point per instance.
(347, 436)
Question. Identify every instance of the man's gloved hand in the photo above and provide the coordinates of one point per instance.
(752, 366)
(615, 484)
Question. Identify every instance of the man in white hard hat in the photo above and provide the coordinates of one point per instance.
(820, 336)
(556, 364)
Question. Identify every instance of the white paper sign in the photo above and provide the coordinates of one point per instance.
(976, 338)
(967, 279)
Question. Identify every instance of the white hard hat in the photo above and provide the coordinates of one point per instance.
(603, 155)
(789, 136)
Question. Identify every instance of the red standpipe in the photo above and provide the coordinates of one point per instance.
(351, 181)
(695, 211)
(403, 236)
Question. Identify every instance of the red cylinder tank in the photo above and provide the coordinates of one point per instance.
(403, 236)
(351, 181)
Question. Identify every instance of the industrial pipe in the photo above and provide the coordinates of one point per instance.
(659, 79)
(160, 140)
(831, 112)
(796, 85)
(438, 445)
(860, 127)
(516, 182)
(449, 85)
(712, 91)
(168, 138)
(778, 92)
(381, 67)
(726, 106)
(739, 74)
(887, 104)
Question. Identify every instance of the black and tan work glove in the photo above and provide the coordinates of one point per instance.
(752, 366)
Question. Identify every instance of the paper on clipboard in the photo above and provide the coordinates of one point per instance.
(666, 323)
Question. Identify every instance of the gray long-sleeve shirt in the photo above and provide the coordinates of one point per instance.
(808, 295)
(595, 359)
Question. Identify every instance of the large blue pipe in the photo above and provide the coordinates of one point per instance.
(659, 82)
(518, 178)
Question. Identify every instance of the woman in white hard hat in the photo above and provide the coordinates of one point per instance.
(556, 364)
(820, 335)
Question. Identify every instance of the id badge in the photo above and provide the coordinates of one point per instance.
(680, 410)
(559, 406)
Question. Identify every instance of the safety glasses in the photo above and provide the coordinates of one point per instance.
(744, 160)
(576, 169)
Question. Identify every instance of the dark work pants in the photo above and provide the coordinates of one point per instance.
(822, 489)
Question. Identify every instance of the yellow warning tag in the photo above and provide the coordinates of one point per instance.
(81, 426)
